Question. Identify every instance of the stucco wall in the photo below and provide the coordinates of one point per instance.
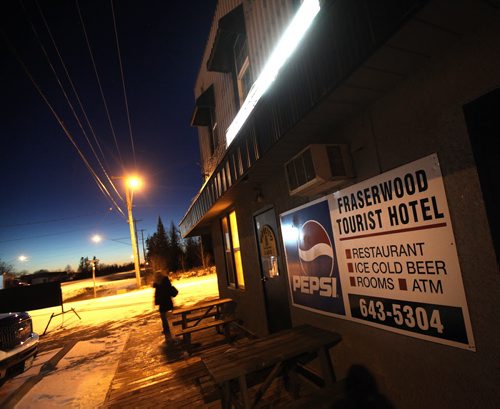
(424, 115)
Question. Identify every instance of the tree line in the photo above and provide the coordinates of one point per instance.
(167, 251)
(85, 267)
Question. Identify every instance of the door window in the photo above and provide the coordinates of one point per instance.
(268, 252)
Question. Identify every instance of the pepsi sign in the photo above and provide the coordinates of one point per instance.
(310, 256)
(315, 249)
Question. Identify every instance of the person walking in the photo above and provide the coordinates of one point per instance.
(164, 291)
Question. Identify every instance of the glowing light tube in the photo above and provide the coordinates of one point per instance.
(283, 50)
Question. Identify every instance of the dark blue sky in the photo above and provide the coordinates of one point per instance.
(51, 206)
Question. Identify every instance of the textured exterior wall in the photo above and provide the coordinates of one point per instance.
(265, 20)
(223, 90)
(423, 115)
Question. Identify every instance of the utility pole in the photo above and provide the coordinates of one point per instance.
(143, 249)
(94, 261)
(137, 241)
(133, 236)
(202, 253)
(131, 183)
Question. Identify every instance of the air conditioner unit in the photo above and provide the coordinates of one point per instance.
(317, 168)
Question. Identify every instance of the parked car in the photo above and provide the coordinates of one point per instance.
(18, 343)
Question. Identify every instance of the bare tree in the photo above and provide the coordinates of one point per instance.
(6, 267)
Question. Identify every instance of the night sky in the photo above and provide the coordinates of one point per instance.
(51, 205)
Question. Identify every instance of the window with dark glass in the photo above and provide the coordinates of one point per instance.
(242, 67)
(212, 131)
(229, 52)
(204, 116)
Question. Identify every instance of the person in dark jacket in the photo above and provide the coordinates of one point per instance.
(164, 291)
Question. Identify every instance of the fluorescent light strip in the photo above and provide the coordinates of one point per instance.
(285, 47)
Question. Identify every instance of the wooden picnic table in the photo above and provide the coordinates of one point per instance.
(278, 352)
(214, 313)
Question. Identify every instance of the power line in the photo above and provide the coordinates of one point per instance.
(123, 82)
(3, 226)
(99, 81)
(118, 241)
(45, 235)
(33, 28)
(101, 186)
(80, 104)
(63, 126)
(143, 248)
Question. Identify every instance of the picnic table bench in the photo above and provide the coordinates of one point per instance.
(208, 314)
(279, 353)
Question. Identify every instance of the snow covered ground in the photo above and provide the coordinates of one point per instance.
(125, 304)
(82, 376)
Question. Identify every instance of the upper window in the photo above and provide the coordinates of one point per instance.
(242, 67)
(212, 132)
(229, 53)
(204, 116)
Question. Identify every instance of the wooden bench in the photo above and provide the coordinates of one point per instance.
(277, 354)
(218, 323)
(194, 318)
(209, 314)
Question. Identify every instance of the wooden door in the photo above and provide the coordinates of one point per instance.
(272, 272)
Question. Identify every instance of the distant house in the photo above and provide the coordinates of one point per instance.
(45, 277)
(352, 183)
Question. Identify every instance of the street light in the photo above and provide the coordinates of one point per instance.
(132, 183)
(96, 238)
(94, 261)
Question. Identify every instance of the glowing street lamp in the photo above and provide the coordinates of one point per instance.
(133, 183)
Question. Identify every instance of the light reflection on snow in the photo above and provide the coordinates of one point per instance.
(83, 376)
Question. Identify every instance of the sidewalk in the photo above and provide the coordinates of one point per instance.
(150, 374)
(79, 358)
(124, 364)
(118, 365)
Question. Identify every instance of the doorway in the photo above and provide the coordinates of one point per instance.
(272, 271)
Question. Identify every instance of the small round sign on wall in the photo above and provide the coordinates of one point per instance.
(268, 251)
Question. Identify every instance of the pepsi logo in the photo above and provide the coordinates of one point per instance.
(315, 250)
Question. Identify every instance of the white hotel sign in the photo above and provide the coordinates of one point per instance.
(393, 254)
(397, 256)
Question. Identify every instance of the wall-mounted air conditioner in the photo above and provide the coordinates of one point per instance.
(317, 168)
